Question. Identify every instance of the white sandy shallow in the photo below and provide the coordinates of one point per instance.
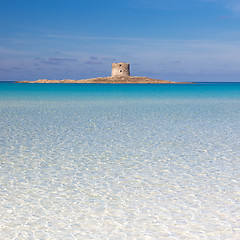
(120, 170)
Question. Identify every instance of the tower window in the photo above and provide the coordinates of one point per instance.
(120, 65)
(120, 70)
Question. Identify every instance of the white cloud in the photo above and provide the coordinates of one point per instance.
(8, 51)
(160, 4)
(95, 37)
(235, 7)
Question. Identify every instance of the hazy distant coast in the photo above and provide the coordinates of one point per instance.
(109, 80)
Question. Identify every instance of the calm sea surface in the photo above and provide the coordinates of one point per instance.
(119, 161)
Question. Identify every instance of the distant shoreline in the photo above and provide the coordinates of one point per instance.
(109, 80)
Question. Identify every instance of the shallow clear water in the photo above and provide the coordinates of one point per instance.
(120, 161)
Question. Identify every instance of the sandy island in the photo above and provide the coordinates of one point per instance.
(120, 75)
(110, 80)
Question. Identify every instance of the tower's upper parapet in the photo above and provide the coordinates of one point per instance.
(120, 69)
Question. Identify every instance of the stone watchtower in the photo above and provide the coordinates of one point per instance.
(120, 69)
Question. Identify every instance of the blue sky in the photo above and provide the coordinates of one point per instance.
(187, 40)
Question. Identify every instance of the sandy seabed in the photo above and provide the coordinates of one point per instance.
(120, 169)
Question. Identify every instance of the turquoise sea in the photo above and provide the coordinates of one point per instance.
(120, 161)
